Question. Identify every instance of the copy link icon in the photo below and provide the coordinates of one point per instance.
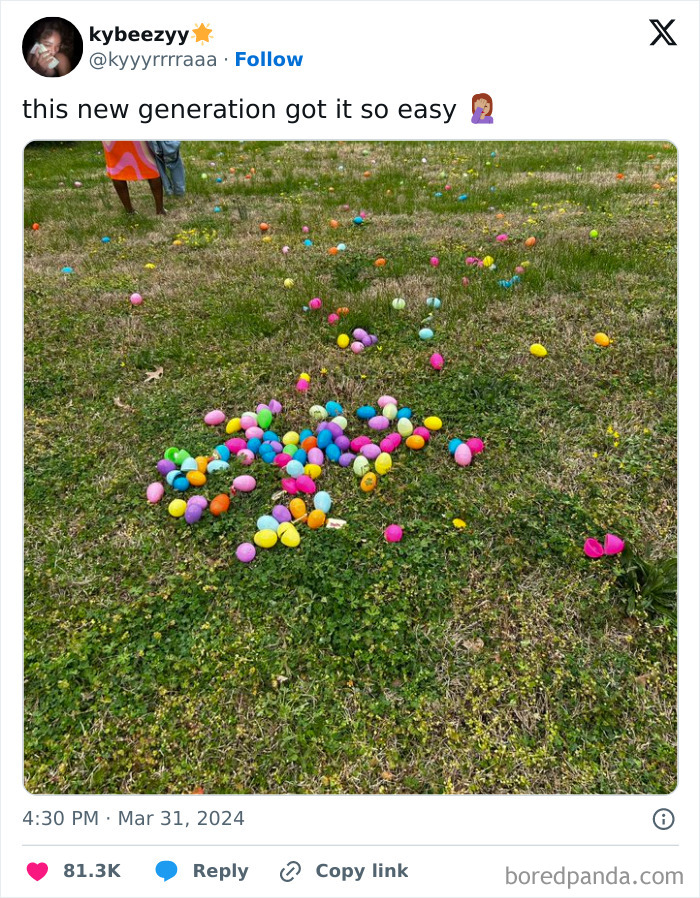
(290, 872)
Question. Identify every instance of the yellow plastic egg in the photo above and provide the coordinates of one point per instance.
(313, 471)
(343, 341)
(265, 539)
(291, 438)
(537, 349)
(602, 339)
(368, 482)
(488, 261)
(288, 282)
(459, 523)
(196, 478)
(383, 463)
(233, 426)
(415, 441)
(289, 536)
(177, 508)
(316, 519)
(433, 423)
(202, 462)
(305, 376)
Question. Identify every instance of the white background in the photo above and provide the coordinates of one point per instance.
(578, 70)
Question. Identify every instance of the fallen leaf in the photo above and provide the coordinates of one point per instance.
(154, 375)
(120, 404)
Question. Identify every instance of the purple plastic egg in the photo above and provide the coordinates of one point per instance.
(346, 459)
(245, 552)
(193, 513)
(370, 451)
(366, 341)
(261, 408)
(373, 338)
(281, 513)
(275, 406)
(165, 466)
(335, 429)
(316, 456)
(198, 500)
(359, 333)
(379, 422)
(276, 445)
(342, 442)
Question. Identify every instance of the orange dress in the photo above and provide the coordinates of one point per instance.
(129, 160)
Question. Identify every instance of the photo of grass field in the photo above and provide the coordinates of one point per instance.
(485, 652)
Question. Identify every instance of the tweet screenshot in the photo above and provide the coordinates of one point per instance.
(350, 378)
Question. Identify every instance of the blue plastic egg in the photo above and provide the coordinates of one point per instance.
(301, 455)
(323, 502)
(294, 468)
(358, 220)
(270, 437)
(106, 239)
(268, 522)
(333, 452)
(365, 412)
(181, 483)
(324, 439)
(171, 475)
(464, 196)
(254, 445)
(433, 302)
(454, 445)
(404, 413)
(217, 465)
(308, 242)
(223, 452)
(334, 408)
(425, 333)
(189, 464)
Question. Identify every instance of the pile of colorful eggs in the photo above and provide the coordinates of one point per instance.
(361, 340)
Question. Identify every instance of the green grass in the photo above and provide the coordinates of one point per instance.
(492, 659)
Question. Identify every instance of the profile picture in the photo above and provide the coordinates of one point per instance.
(52, 47)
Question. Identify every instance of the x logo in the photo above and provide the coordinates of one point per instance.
(663, 32)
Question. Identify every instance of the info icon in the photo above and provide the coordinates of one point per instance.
(663, 818)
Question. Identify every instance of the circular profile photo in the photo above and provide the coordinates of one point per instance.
(52, 47)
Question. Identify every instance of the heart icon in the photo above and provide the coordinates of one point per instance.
(37, 871)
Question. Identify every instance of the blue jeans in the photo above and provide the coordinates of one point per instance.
(170, 165)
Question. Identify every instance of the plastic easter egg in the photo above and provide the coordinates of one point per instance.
(538, 350)
(359, 442)
(433, 302)
(341, 247)
(264, 418)
(219, 504)
(306, 485)
(254, 445)
(390, 411)
(248, 420)
(488, 261)
(422, 431)
(244, 483)
(246, 552)
(434, 261)
(66, 270)
(368, 482)
(289, 537)
(613, 545)
(164, 466)
(196, 478)
(177, 508)
(454, 444)
(265, 539)
(222, 451)
(393, 533)
(214, 417)
(180, 456)
(415, 442)
(399, 303)
(379, 422)
(463, 455)
(318, 413)
(275, 406)
(313, 471)
(531, 241)
(475, 445)
(290, 437)
(297, 508)
(189, 464)
(365, 412)
(386, 445)
(193, 513)
(136, 299)
(357, 347)
(294, 468)
(315, 303)
(437, 361)
(601, 339)
(370, 451)
(404, 412)
(333, 318)
(198, 500)
(386, 400)
(426, 333)
(334, 408)
(316, 456)
(593, 548)
(433, 423)
(154, 492)
(324, 439)
(322, 502)
(302, 386)
(245, 457)
(343, 341)
(36, 226)
(346, 459)
(267, 522)
(383, 463)
(333, 452)
(289, 283)
(264, 226)
(181, 483)
(233, 426)
(171, 475)
(593, 235)
(340, 421)
(217, 465)
(360, 466)
(316, 519)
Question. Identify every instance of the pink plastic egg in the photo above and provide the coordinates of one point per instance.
(235, 444)
(136, 299)
(379, 422)
(393, 533)
(316, 456)
(214, 417)
(437, 361)
(248, 421)
(359, 442)
(302, 385)
(254, 433)
(333, 318)
(422, 432)
(306, 485)
(593, 548)
(475, 445)
(434, 261)
(289, 485)
(245, 483)
(315, 303)
(245, 457)
(357, 347)
(463, 455)
(154, 492)
(386, 400)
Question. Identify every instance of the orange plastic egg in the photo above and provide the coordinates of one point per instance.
(531, 241)
(219, 504)
(415, 441)
(316, 519)
(368, 482)
(309, 443)
(297, 508)
(196, 478)
(333, 251)
(333, 223)
(264, 227)
(380, 263)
